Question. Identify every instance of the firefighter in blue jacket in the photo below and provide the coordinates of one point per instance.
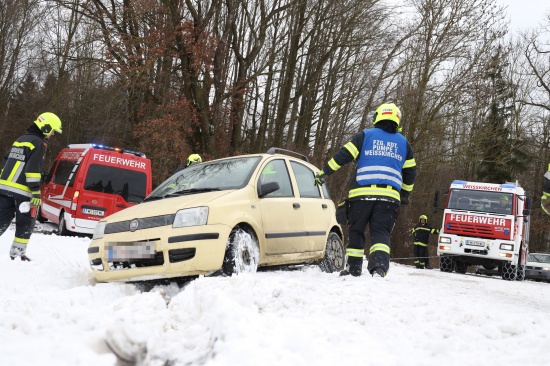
(20, 180)
(384, 178)
(421, 233)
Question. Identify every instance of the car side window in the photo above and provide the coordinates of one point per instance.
(276, 171)
(306, 181)
(63, 171)
(50, 173)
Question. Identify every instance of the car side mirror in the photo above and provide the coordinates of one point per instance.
(267, 188)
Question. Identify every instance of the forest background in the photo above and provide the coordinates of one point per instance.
(222, 78)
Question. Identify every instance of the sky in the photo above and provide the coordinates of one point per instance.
(51, 313)
(524, 14)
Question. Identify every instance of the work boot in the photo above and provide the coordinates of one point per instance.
(378, 272)
(19, 250)
(354, 267)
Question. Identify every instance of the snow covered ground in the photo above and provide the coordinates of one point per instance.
(51, 313)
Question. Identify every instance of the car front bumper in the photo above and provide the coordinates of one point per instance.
(179, 252)
(537, 274)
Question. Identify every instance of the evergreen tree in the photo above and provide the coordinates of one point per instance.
(502, 157)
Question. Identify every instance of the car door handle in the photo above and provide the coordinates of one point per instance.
(324, 206)
(296, 205)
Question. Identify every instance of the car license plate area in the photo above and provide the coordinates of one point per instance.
(130, 250)
(475, 243)
(94, 211)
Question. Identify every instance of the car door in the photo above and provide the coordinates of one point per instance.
(282, 214)
(316, 210)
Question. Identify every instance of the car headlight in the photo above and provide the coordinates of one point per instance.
(99, 230)
(191, 217)
(444, 239)
(506, 246)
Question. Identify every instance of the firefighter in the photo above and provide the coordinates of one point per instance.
(191, 159)
(504, 205)
(384, 178)
(421, 234)
(20, 180)
(544, 200)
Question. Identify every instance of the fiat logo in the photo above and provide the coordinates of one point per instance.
(134, 225)
(94, 202)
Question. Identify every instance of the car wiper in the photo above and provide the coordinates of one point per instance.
(191, 191)
(147, 199)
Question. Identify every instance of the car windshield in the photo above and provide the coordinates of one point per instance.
(481, 201)
(542, 258)
(204, 177)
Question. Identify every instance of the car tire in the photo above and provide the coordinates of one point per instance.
(335, 254)
(242, 252)
(461, 267)
(62, 227)
(520, 275)
(509, 271)
(446, 263)
(39, 217)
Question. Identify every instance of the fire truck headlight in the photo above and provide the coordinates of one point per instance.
(506, 246)
(443, 239)
(191, 217)
(99, 230)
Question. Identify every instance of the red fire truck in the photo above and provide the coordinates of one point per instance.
(487, 225)
(88, 182)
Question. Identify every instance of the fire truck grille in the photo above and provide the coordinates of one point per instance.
(467, 229)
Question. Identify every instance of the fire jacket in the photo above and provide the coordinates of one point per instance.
(421, 234)
(385, 164)
(23, 165)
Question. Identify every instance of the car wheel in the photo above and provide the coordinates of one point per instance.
(460, 267)
(509, 271)
(242, 253)
(62, 228)
(335, 254)
(39, 217)
(446, 264)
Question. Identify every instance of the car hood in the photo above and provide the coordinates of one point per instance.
(538, 264)
(167, 206)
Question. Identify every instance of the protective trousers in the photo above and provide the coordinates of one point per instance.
(24, 223)
(380, 216)
(421, 259)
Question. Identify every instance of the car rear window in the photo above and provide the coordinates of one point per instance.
(129, 184)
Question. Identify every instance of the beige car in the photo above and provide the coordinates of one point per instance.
(226, 216)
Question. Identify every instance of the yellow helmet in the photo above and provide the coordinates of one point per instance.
(194, 158)
(387, 112)
(47, 122)
(423, 217)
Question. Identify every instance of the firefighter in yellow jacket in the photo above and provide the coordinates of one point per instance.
(421, 233)
(20, 180)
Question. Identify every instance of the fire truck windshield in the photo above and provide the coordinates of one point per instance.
(481, 201)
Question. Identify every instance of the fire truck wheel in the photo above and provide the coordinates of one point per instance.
(460, 267)
(62, 228)
(446, 264)
(509, 271)
(521, 273)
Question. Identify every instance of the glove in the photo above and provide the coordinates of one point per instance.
(545, 203)
(36, 200)
(320, 178)
(404, 197)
